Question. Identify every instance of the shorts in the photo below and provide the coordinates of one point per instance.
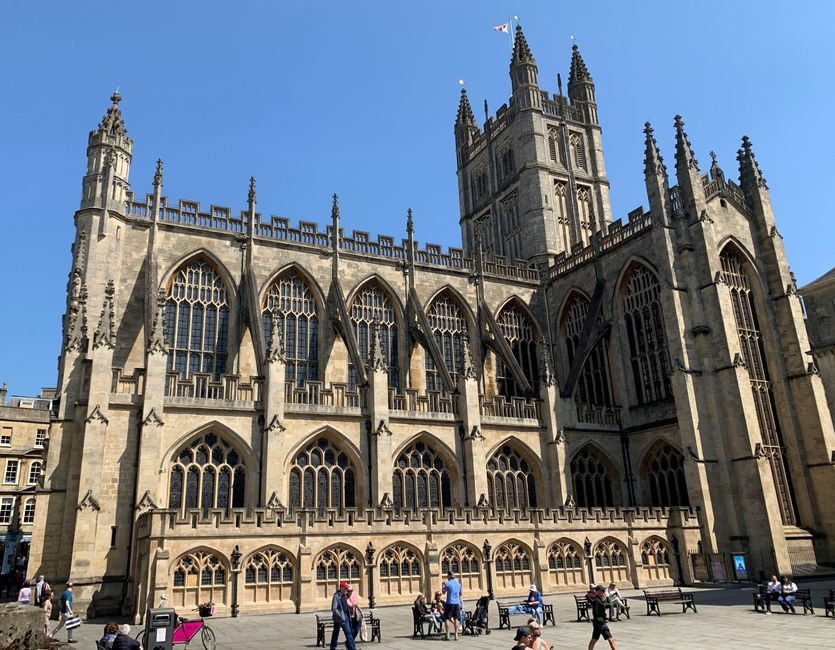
(601, 630)
(452, 612)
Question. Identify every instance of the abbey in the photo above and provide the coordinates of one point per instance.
(251, 410)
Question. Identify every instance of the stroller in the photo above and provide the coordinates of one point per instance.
(478, 620)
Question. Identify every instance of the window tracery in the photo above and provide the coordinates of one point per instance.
(594, 384)
(322, 476)
(464, 561)
(520, 336)
(448, 326)
(665, 478)
(513, 566)
(207, 473)
(610, 561)
(593, 480)
(565, 563)
(268, 576)
(198, 577)
(400, 570)
(510, 480)
(369, 305)
(421, 479)
(334, 565)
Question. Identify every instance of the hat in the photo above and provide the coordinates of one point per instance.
(533, 588)
(599, 588)
(344, 585)
(522, 632)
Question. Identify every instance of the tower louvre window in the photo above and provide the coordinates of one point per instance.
(575, 143)
(552, 144)
(507, 162)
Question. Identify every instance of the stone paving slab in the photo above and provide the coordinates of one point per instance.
(726, 620)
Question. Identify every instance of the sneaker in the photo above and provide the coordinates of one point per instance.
(768, 613)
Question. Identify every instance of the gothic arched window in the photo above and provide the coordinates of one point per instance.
(610, 561)
(197, 321)
(373, 304)
(421, 479)
(655, 559)
(593, 385)
(575, 142)
(322, 476)
(335, 565)
(585, 209)
(448, 326)
(593, 479)
(207, 473)
(463, 560)
(753, 354)
(520, 336)
(510, 480)
(199, 577)
(513, 566)
(565, 563)
(665, 477)
(400, 570)
(290, 300)
(269, 576)
(561, 210)
(645, 330)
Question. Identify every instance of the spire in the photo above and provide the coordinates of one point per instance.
(156, 339)
(158, 175)
(335, 223)
(112, 122)
(749, 170)
(579, 72)
(275, 351)
(685, 158)
(467, 365)
(546, 372)
(521, 51)
(105, 334)
(465, 111)
(410, 224)
(251, 196)
(653, 162)
(716, 172)
(376, 360)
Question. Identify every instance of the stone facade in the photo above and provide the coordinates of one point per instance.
(819, 299)
(24, 427)
(252, 410)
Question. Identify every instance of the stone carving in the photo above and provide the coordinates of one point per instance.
(560, 438)
(376, 360)
(760, 452)
(274, 425)
(475, 434)
(274, 503)
(467, 367)
(275, 351)
(739, 362)
(88, 501)
(153, 419)
(483, 503)
(96, 415)
(382, 428)
(386, 501)
(156, 340)
(812, 369)
(570, 503)
(547, 374)
(146, 503)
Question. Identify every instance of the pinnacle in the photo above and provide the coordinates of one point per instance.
(685, 158)
(158, 174)
(335, 207)
(251, 195)
(465, 111)
(521, 51)
(112, 122)
(749, 168)
(410, 224)
(578, 72)
(653, 162)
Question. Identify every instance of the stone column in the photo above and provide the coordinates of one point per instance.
(469, 411)
(272, 434)
(378, 413)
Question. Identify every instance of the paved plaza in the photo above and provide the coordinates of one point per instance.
(725, 620)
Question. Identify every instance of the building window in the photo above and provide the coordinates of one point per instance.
(610, 561)
(34, 472)
(594, 384)
(585, 214)
(565, 563)
(561, 210)
(400, 571)
(197, 321)
(593, 478)
(513, 566)
(510, 481)
(553, 143)
(29, 511)
(664, 477)
(207, 473)
(507, 165)
(322, 476)
(463, 560)
(40, 438)
(269, 576)
(6, 437)
(575, 143)
(421, 479)
(753, 353)
(335, 565)
(10, 476)
(370, 305)
(519, 334)
(645, 330)
(6, 509)
(290, 300)
(448, 326)
(199, 577)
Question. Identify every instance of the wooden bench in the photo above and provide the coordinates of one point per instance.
(583, 607)
(759, 598)
(325, 622)
(829, 603)
(804, 597)
(504, 613)
(675, 596)
(419, 621)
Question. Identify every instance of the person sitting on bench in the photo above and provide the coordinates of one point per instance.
(533, 605)
(772, 592)
(427, 613)
(786, 598)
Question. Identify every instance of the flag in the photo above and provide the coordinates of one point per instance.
(503, 28)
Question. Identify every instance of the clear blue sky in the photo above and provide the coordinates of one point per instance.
(359, 98)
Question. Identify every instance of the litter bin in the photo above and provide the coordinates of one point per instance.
(159, 629)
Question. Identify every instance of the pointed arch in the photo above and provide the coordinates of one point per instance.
(323, 472)
(424, 474)
(565, 563)
(199, 575)
(513, 473)
(400, 568)
(662, 473)
(198, 253)
(574, 293)
(198, 305)
(514, 566)
(269, 576)
(374, 303)
(594, 384)
(655, 560)
(462, 301)
(465, 561)
(309, 279)
(336, 563)
(296, 304)
(610, 560)
(594, 478)
(639, 297)
(522, 333)
(449, 322)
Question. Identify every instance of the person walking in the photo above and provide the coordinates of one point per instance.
(46, 605)
(66, 612)
(341, 618)
(452, 607)
(24, 596)
(537, 642)
(354, 611)
(598, 620)
(523, 638)
(38, 589)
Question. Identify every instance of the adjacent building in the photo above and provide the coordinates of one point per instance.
(251, 410)
(819, 299)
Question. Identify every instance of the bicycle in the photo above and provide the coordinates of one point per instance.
(185, 630)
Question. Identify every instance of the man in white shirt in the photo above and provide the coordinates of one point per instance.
(616, 606)
(786, 599)
(772, 592)
(39, 590)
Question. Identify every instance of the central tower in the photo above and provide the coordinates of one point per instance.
(532, 182)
